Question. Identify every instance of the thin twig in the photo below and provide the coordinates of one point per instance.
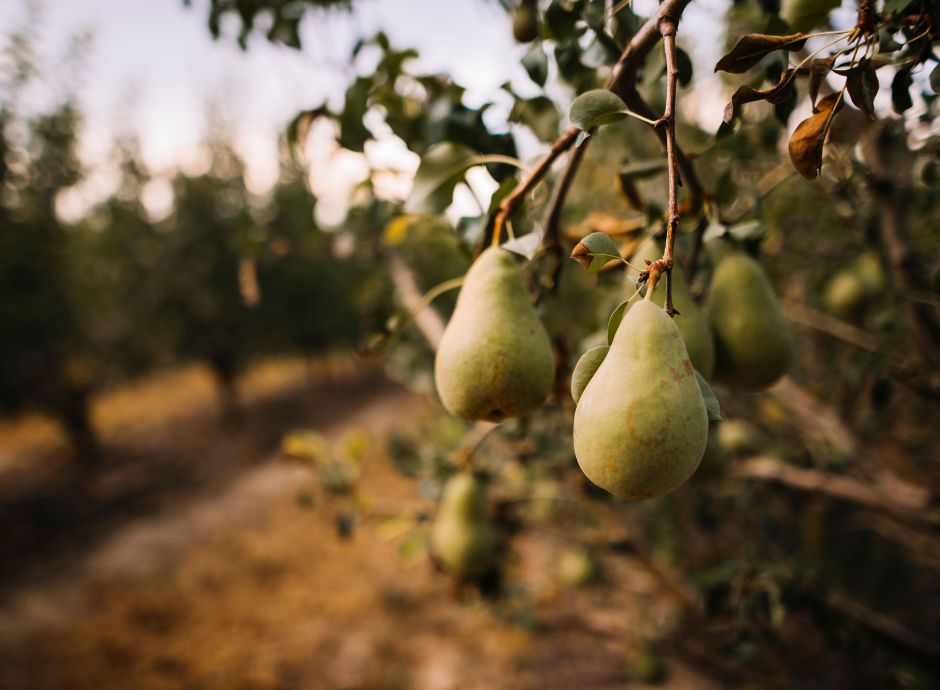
(515, 199)
(843, 488)
(551, 221)
(667, 26)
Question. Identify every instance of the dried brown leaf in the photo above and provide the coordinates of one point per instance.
(582, 255)
(806, 144)
(751, 48)
(778, 93)
(862, 84)
(818, 69)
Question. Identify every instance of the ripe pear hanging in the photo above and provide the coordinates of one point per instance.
(753, 346)
(641, 426)
(463, 539)
(691, 321)
(495, 359)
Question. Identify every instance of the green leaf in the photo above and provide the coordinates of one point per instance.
(595, 108)
(538, 114)
(525, 246)
(900, 91)
(640, 170)
(708, 395)
(414, 546)
(896, 6)
(560, 20)
(747, 230)
(595, 251)
(535, 63)
(441, 170)
(505, 189)
(353, 134)
(613, 323)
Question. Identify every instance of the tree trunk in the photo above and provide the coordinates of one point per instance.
(75, 417)
(225, 371)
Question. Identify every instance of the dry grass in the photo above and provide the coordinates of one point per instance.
(239, 586)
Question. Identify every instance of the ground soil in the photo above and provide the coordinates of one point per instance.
(198, 556)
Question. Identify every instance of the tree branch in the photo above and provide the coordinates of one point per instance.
(667, 26)
(843, 488)
(428, 321)
(515, 199)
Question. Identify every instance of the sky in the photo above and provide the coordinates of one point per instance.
(151, 68)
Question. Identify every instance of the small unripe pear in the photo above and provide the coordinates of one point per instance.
(870, 271)
(845, 294)
(753, 345)
(738, 437)
(495, 359)
(577, 567)
(640, 426)
(691, 321)
(585, 368)
(463, 539)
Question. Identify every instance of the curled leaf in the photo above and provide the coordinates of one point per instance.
(806, 144)
(818, 69)
(752, 48)
(595, 251)
(862, 85)
(778, 93)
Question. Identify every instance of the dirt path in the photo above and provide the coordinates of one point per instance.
(234, 583)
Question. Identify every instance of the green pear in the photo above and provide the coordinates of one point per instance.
(463, 540)
(691, 321)
(753, 346)
(640, 426)
(525, 21)
(578, 567)
(845, 294)
(868, 267)
(738, 437)
(495, 359)
(585, 368)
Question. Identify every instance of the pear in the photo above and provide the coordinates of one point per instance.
(463, 539)
(640, 426)
(495, 359)
(738, 437)
(753, 346)
(585, 368)
(845, 294)
(691, 321)
(578, 567)
(868, 268)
